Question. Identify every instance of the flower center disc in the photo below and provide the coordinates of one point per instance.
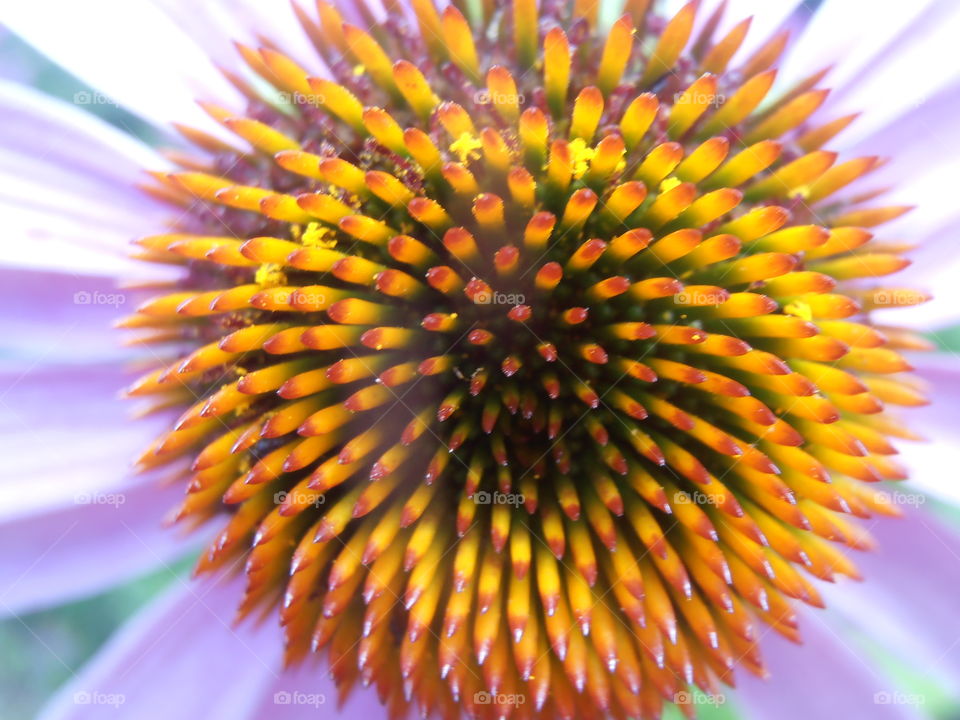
(523, 354)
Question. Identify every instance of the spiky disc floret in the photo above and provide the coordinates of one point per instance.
(521, 358)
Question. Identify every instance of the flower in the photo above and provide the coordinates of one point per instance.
(610, 344)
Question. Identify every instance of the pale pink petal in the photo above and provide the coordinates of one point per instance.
(924, 156)
(216, 25)
(73, 519)
(305, 692)
(907, 603)
(826, 677)
(67, 191)
(923, 153)
(42, 135)
(841, 34)
(183, 658)
(130, 51)
(931, 462)
(101, 539)
(65, 432)
(934, 272)
(909, 141)
(910, 70)
(179, 658)
(64, 317)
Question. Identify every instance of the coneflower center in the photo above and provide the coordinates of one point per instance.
(523, 354)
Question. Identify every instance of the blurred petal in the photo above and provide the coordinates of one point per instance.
(931, 463)
(908, 602)
(41, 134)
(63, 433)
(908, 71)
(215, 25)
(934, 269)
(922, 148)
(232, 675)
(309, 679)
(842, 34)
(101, 539)
(142, 60)
(62, 317)
(146, 668)
(826, 677)
(922, 173)
(66, 187)
(935, 272)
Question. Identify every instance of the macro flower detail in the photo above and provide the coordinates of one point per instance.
(529, 360)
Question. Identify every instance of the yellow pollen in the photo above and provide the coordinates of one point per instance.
(466, 147)
(358, 70)
(580, 157)
(316, 235)
(270, 275)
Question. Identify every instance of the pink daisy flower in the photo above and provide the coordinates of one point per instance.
(516, 360)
